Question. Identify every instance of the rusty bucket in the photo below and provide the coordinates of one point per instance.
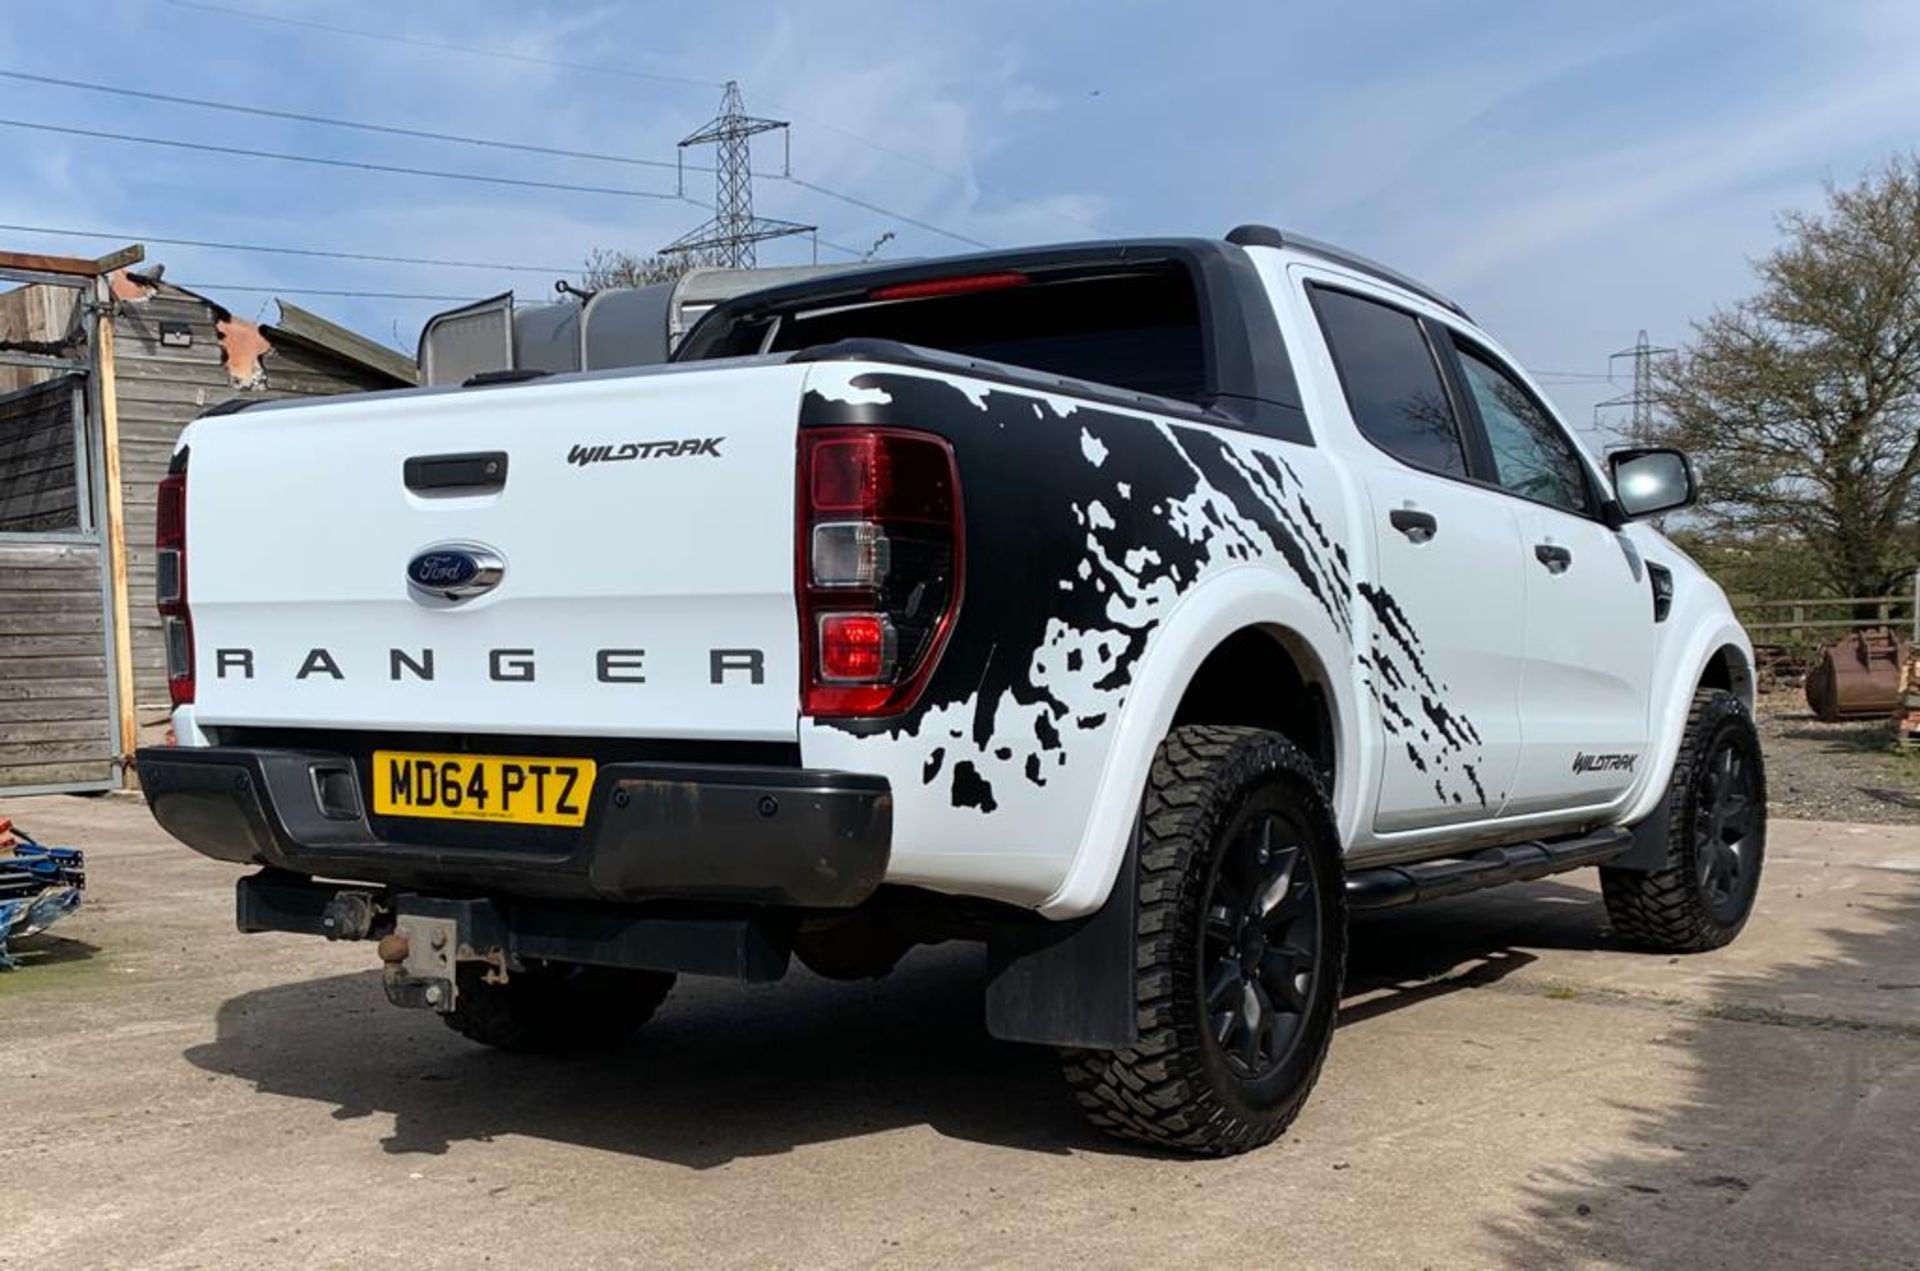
(1858, 677)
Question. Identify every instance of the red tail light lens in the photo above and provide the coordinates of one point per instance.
(170, 581)
(880, 566)
(855, 647)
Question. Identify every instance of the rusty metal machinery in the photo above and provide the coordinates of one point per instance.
(1858, 677)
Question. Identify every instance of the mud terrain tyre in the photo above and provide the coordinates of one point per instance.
(1716, 838)
(556, 1007)
(1240, 932)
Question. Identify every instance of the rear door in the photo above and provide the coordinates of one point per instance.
(1443, 659)
(642, 527)
(1589, 615)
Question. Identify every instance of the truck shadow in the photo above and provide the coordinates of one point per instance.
(1781, 1132)
(728, 1071)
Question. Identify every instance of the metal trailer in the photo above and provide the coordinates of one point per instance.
(621, 326)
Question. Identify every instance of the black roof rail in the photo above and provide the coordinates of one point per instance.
(1267, 236)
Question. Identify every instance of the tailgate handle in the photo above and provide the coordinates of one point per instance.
(482, 472)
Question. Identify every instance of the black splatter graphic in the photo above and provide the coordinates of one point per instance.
(1395, 641)
(1095, 519)
(932, 766)
(970, 789)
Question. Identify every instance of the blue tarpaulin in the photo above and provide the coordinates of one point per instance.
(38, 886)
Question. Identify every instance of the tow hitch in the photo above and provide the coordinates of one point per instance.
(418, 956)
(423, 940)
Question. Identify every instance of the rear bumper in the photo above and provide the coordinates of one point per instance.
(780, 836)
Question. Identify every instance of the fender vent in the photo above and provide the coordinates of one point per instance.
(1661, 580)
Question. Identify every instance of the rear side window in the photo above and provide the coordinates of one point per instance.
(1531, 456)
(1136, 329)
(1391, 380)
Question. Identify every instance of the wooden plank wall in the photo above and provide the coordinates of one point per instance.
(39, 486)
(55, 725)
(39, 312)
(160, 389)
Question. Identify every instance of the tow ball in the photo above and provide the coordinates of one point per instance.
(418, 962)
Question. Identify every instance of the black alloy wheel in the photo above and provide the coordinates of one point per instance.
(1726, 825)
(1260, 944)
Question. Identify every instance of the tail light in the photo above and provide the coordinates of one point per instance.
(880, 566)
(170, 580)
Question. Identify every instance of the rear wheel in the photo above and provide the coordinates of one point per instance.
(556, 1007)
(1241, 948)
(1717, 838)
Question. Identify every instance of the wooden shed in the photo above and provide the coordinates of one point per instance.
(101, 366)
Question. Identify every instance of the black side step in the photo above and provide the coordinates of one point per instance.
(1389, 886)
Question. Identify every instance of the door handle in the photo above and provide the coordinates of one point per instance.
(481, 472)
(1417, 526)
(1556, 559)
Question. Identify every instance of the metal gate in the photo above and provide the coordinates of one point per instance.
(60, 672)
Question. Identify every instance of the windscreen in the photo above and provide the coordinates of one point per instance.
(1138, 329)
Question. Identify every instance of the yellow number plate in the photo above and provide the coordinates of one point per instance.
(520, 789)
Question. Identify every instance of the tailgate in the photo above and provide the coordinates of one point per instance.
(643, 533)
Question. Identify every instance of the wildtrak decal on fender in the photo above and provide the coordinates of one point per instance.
(1584, 762)
(1096, 523)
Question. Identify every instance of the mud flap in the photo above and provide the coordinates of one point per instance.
(1649, 853)
(1069, 983)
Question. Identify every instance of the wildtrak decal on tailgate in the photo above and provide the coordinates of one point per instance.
(621, 452)
(1100, 521)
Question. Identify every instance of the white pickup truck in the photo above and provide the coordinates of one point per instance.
(1139, 608)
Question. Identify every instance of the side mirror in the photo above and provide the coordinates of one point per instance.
(1647, 482)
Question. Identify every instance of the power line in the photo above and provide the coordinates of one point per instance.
(319, 291)
(855, 252)
(917, 162)
(288, 251)
(357, 164)
(600, 69)
(874, 207)
(428, 135)
(497, 54)
(295, 116)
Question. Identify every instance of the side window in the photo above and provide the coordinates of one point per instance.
(1392, 382)
(1531, 456)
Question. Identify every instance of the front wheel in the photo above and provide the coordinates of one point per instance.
(1240, 931)
(1716, 838)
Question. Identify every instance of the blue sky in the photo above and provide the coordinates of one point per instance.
(1571, 173)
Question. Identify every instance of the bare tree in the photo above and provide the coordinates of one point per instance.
(1802, 402)
(606, 268)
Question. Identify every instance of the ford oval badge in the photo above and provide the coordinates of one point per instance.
(455, 571)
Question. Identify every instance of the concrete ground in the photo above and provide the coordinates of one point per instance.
(1505, 1090)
